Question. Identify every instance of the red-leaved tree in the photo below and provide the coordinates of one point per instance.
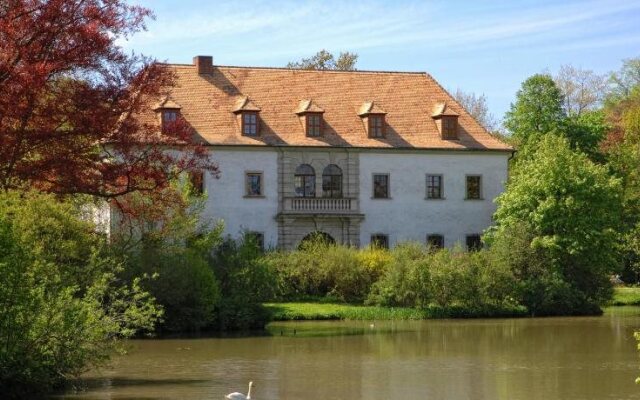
(69, 98)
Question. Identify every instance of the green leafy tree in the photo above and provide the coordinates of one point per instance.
(176, 250)
(246, 280)
(541, 107)
(62, 305)
(622, 150)
(626, 79)
(537, 111)
(570, 209)
(586, 132)
(324, 60)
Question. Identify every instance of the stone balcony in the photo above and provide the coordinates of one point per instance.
(320, 205)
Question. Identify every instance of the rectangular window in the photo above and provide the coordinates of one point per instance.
(255, 238)
(380, 241)
(450, 127)
(250, 124)
(254, 184)
(474, 243)
(381, 186)
(474, 187)
(435, 241)
(169, 118)
(434, 186)
(196, 180)
(376, 126)
(314, 124)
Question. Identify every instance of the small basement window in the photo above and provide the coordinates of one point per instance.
(380, 241)
(256, 239)
(435, 241)
(474, 243)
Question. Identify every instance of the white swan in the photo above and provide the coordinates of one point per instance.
(240, 396)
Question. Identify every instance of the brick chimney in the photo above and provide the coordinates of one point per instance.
(204, 64)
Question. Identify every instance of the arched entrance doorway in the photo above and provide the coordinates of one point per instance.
(316, 237)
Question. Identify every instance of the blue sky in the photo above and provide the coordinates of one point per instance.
(477, 46)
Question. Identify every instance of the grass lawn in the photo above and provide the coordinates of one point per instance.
(328, 311)
(626, 296)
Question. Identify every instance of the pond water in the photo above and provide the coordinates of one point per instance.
(537, 358)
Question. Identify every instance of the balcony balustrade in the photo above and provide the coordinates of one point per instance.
(320, 205)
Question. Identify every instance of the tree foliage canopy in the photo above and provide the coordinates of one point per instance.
(324, 60)
(583, 90)
(537, 110)
(571, 207)
(62, 305)
(70, 96)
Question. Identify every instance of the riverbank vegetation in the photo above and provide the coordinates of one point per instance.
(625, 296)
(62, 303)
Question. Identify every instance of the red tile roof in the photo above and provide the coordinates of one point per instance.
(208, 103)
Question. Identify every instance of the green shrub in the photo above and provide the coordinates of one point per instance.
(246, 281)
(319, 269)
(406, 279)
(62, 306)
(451, 277)
(540, 282)
(184, 284)
(418, 277)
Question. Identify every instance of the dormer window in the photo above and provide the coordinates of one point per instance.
(446, 121)
(311, 116)
(314, 124)
(169, 118)
(450, 127)
(249, 118)
(374, 119)
(376, 126)
(250, 123)
(169, 113)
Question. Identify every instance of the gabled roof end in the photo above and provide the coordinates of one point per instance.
(166, 103)
(370, 107)
(308, 106)
(442, 110)
(244, 104)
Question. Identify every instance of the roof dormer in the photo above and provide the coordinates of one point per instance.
(373, 117)
(168, 112)
(311, 116)
(446, 120)
(248, 115)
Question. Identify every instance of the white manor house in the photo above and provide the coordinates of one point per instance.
(360, 157)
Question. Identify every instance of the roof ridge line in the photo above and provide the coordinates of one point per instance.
(360, 71)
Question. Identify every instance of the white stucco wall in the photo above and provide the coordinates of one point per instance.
(407, 215)
(226, 194)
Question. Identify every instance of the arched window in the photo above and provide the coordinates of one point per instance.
(305, 181)
(332, 181)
